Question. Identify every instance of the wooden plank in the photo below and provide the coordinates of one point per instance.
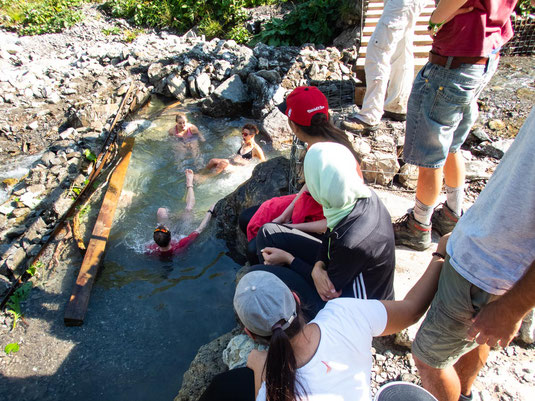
(77, 304)
(418, 40)
(418, 51)
(422, 20)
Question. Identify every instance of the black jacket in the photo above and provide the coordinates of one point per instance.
(363, 242)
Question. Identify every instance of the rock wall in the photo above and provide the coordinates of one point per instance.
(268, 180)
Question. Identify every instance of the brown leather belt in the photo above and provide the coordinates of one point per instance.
(457, 61)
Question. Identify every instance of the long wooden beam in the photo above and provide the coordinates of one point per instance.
(77, 304)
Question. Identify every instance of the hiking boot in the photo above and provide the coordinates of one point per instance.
(444, 219)
(356, 124)
(395, 116)
(412, 233)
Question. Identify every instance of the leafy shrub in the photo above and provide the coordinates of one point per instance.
(214, 17)
(524, 7)
(240, 34)
(42, 16)
(313, 21)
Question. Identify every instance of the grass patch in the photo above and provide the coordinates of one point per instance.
(40, 16)
(215, 18)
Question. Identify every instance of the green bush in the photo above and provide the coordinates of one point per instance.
(215, 18)
(524, 7)
(43, 16)
(313, 21)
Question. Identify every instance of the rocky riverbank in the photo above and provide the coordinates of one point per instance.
(59, 94)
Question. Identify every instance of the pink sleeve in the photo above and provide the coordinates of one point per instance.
(185, 242)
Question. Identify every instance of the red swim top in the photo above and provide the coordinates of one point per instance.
(176, 246)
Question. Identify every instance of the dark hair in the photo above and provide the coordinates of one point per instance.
(181, 115)
(162, 236)
(281, 366)
(251, 127)
(321, 126)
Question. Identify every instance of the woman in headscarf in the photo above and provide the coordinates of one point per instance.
(356, 257)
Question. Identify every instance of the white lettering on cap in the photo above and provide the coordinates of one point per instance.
(289, 112)
(315, 109)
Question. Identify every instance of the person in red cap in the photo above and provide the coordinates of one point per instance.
(307, 108)
(355, 257)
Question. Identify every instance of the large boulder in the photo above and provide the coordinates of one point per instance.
(228, 100)
(177, 87)
(269, 179)
(380, 168)
(263, 85)
(276, 127)
(204, 367)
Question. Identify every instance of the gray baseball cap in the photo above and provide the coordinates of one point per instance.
(262, 300)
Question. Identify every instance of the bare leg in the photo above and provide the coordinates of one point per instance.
(162, 216)
(218, 165)
(454, 170)
(444, 384)
(469, 366)
(190, 195)
(429, 185)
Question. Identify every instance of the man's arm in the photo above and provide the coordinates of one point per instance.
(402, 314)
(446, 10)
(499, 321)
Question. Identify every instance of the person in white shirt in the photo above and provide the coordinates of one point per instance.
(327, 359)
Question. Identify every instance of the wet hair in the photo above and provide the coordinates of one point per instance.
(180, 115)
(162, 236)
(281, 366)
(252, 128)
(322, 127)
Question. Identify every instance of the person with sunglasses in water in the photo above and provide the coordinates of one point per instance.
(248, 150)
(164, 245)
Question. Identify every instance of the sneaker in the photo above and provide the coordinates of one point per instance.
(444, 219)
(395, 116)
(356, 124)
(412, 233)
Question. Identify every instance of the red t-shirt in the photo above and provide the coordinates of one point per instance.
(176, 246)
(477, 33)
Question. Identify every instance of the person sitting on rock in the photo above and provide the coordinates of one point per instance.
(184, 130)
(248, 150)
(164, 245)
(298, 211)
(328, 358)
(356, 256)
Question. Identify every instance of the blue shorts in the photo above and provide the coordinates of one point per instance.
(442, 109)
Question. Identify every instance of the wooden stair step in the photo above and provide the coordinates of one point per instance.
(418, 40)
(375, 13)
(422, 20)
(419, 51)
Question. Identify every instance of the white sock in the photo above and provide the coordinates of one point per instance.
(454, 199)
(422, 213)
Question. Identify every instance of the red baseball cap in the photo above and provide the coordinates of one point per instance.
(303, 103)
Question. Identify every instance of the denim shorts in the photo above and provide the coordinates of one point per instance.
(441, 110)
(441, 339)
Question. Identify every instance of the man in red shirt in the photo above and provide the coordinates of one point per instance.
(164, 245)
(443, 107)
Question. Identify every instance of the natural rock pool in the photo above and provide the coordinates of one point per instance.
(147, 317)
(164, 309)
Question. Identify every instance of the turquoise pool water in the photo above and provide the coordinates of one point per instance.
(163, 310)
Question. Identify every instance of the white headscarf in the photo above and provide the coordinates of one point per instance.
(332, 179)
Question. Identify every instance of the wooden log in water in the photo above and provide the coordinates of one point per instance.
(77, 305)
